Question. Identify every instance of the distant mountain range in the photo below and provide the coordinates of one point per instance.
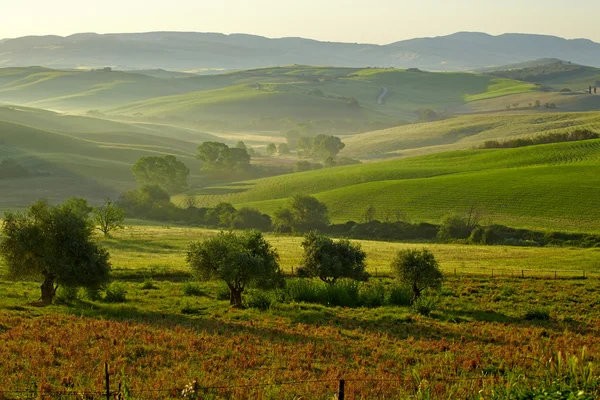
(184, 51)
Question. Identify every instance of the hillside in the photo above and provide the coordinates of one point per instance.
(183, 51)
(463, 132)
(542, 187)
(78, 156)
(304, 92)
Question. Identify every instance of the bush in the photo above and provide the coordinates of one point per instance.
(537, 314)
(116, 293)
(223, 292)
(260, 299)
(399, 296)
(343, 293)
(192, 289)
(149, 284)
(303, 290)
(66, 295)
(425, 305)
(188, 309)
(372, 296)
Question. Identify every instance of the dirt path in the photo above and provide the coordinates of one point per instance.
(382, 95)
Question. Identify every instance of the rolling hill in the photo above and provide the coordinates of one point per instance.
(304, 92)
(183, 51)
(463, 132)
(79, 156)
(542, 187)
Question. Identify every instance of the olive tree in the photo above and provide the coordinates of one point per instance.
(419, 269)
(109, 217)
(330, 260)
(240, 260)
(303, 213)
(54, 245)
(166, 172)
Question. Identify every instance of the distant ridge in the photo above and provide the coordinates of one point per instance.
(183, 51)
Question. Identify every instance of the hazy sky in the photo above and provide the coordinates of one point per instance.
(373, 21)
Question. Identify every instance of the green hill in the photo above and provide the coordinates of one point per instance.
(320, 92)
(462, 133)
(88, 157)
(542, 187)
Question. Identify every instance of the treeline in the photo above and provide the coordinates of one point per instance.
(576, 135)
(541, 72)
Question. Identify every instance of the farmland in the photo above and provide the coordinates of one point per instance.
(160, 340)
(511, 186)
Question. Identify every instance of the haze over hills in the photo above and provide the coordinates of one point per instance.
(190, 51)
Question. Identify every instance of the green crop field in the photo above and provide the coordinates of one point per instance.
(164, 335)
(542, 187)
(462, 133)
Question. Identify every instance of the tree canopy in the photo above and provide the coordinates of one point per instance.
(54, 245)
(219, 156)
(330, 260)
(303, 213)
(166, 172)
(240, 260)
(419, 269)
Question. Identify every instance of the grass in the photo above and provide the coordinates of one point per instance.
(517, 187)
(158, 341)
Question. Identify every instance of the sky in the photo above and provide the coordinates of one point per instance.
(374, 21)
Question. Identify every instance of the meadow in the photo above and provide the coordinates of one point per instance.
(483, 339)
(516, 187)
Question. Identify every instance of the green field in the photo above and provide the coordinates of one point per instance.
(164, 336)
(462, 132)
(541, 187)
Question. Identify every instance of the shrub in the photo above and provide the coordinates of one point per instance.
(372, 296)
(260, 299)
(192, 289)
(116, 293)
(302, 290)
(66, 295)
(149, 284)
(223, 293)
(343, 293)
(399, 296)
(188, 309)
(537, 314)
(425, 305)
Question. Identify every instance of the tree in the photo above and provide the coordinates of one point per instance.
(330, 260)
(78, 206)
(283, 149)
(307, 213)
(218, 156)
(418, 269)
(271, 149)
(302, 166)
(324, 146)
(55, 245)
(292, 137)
(249, 218)
(109, 217)
(221, 215)
(369, 214)
(166, 172)
(304, 145)
(240, 260)
(241, 145)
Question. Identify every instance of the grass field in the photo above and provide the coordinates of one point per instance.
(541, 187)
(476, 343)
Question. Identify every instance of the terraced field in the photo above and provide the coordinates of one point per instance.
(542, 187)
(463, 133)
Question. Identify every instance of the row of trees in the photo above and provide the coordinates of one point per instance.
(248, 260)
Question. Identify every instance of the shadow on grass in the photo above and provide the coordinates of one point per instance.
(230, 188)
(203, 321)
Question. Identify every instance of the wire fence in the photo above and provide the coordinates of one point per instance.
(341, 389)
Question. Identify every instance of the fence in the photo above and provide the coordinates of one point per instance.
(340, 389)
(502, 272)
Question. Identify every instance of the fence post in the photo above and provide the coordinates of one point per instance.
(292, 270)
(107, 379)
(454, 272)
(375, 272)
(584, 273)
(341, 390)
(522, 273)
(492, 272)
(555, 275)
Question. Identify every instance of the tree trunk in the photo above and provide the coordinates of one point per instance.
(416, 292)
(48, 290)
(235, 296)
